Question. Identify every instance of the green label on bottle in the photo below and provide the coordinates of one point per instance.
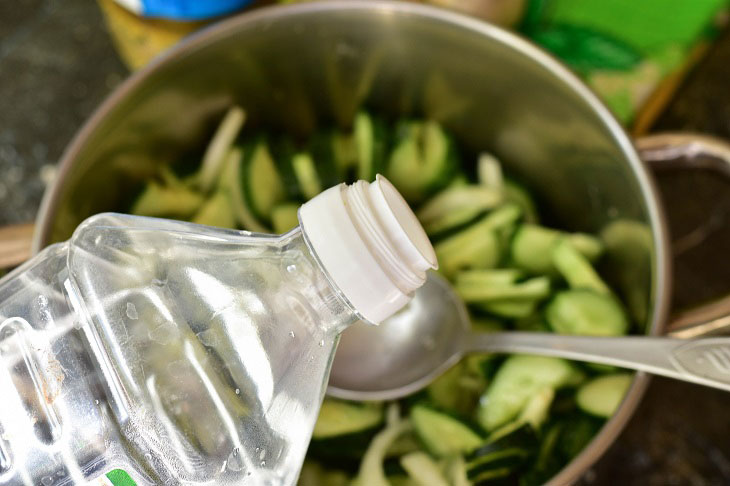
(115, 477)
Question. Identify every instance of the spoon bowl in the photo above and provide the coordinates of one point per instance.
(404, 353)
(428, 336)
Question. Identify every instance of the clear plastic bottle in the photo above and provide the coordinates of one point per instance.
(146, 351)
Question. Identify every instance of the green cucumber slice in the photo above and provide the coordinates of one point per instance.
(232, 179)
(338, 418)
(172, 202)
(422, 469)
(284, 217)
(220, 144)
(456, 205)
(477, 246)
(532, 248)
(283, 151)
(306, 174)
(423, 161)
(583, 311)
(216, 211)
(602, 396)
(263, 186)
(472, 289)
(576, 269)
(442, 434)
(372, 149)
(515, 383)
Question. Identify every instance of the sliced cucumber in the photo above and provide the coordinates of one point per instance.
(283, 151)
(532, 247)
(456, 471)
(459, 388)
(344, 154)
(489, 172)
(232, 178)
(442, 434)
(576, 269)
(586, 312)
(470, 248)
(517, 194)
(477, 246)
(602, 396)
(172, 202)
(284, 217)
(423, 161)
(537, 408)
(492, 277)
(503, 456)
(422, 469)
(313, 474)
(510, 308)
(306, 174)
(629, 249)
(491, 175)
(588, 245)
(338, 418)
(516, 381)
(216, 211)
(455, 206)
(472, 289)
(371, 471)
(263, 186)
(220, 144)
(372, 148)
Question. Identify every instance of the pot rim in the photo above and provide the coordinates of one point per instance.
(662, 264)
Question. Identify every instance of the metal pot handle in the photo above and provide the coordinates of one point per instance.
(669, 151)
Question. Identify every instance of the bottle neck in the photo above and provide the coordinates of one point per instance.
(319, 288)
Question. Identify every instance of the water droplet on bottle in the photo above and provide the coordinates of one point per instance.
(262, 454)
(321, 343)
(238, 391)
(96, 402)
(258, 449)
(235, 461)
(291, 268)
(311, 358)
(291, 334)
(263, 463)
(47, 481)
(148, 457)
(132, 311)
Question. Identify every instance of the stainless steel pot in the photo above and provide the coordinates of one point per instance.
(302, 66)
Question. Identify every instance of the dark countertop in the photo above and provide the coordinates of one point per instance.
(57, 64)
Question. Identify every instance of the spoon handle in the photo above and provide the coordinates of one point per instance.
(704, 361)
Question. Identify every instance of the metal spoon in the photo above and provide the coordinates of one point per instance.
(431, 334)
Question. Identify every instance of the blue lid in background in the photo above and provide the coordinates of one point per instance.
(183, 9)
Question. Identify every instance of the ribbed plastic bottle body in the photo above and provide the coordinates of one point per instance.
(175, 356)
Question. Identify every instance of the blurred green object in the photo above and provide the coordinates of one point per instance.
(625, 49)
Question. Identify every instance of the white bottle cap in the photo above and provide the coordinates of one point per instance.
(370, 244)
